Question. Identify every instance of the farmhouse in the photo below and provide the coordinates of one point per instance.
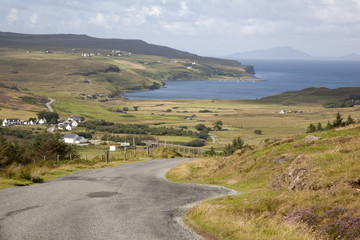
(73, 138)
(11, 121)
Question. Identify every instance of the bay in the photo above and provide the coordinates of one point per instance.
(279, 76)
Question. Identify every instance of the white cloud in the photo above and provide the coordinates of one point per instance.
(12, 16)
(99, 19)
(184, 9)
(152, 11)
(33, 19)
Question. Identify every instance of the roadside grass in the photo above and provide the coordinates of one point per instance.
(265, 207)
(43, 171)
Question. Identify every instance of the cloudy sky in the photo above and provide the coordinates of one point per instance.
(204, 27)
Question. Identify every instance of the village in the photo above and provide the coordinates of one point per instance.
(63, 125)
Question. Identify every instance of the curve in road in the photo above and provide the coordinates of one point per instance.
(48, 105)
(132, 201)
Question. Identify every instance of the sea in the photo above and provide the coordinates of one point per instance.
(278, 76)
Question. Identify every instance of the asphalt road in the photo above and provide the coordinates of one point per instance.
(132, 201)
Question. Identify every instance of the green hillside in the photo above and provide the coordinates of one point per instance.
(295, 188)
(104, 71)
(312, 96)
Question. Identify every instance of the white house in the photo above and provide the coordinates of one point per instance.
(73, 138)
(74, 123)
(75, 118)
(42, 121)
(11, 121)
(283, 111)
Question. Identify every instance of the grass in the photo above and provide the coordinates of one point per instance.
(43, 171)
(265, 207)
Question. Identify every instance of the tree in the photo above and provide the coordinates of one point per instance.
(311, 128)
(200, 127)
(125, 109)
(258, 132)
(329, 126)
(51, 117)
(237, 144)
(51, 145)
(136, 108)
(319, 127)
(211, 152)
(338, 122)
(349, 120)
(218, 125)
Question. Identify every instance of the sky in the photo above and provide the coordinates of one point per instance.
(322, 28)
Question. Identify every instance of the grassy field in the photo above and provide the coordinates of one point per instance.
(286, 190)
(240, 118)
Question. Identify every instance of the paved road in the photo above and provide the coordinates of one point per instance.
(48, 104)
(131, 201)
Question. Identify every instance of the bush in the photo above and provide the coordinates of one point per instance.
(258, 132)
(236, 144)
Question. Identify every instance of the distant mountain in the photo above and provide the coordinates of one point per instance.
(8, 39)
(273, 53)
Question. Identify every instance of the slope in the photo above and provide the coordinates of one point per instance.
(296, 188)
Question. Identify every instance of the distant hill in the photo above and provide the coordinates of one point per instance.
(8, 39)
(311, 96)
(273, 53)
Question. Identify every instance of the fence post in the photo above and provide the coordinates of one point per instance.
(57, 157)
(107, 156)
(124, 153)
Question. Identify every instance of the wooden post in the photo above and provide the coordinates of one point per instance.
(44, 158)
(70, 157)
(57, 157)
(101, 157)
(124, 153)
(107, 156)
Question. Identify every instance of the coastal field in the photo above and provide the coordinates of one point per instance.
(239, 118)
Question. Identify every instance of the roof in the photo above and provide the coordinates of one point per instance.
(78, 118)
(70, 135)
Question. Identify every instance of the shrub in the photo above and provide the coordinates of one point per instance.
(236, 144)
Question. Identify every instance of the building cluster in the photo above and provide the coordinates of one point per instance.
(70, 124)
(284, 111)
(18, 121)
(64, 125)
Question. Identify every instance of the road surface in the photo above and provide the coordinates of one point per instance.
(132, 201)
(48, 104)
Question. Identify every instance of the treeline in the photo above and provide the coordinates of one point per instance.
(338, 122)
(43, 145)
(348, 102)
(110, 127)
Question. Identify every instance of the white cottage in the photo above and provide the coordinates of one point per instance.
(73, 138)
